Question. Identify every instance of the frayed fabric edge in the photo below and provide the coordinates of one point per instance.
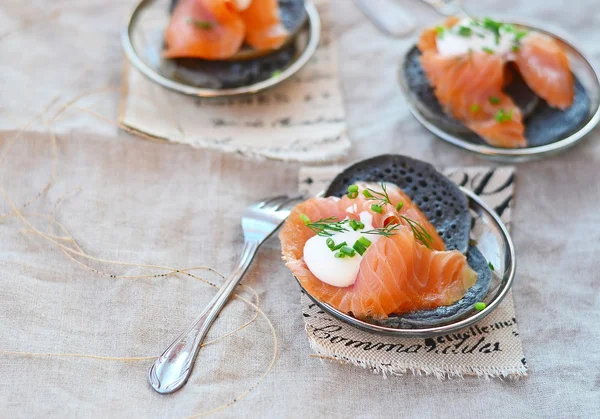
(403, 368)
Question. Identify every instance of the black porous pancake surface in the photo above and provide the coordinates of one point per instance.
(544, 125)
(444, 314)
(439, 199)
(231, 74)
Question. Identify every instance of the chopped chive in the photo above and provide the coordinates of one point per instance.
(353, 188)
(364, 241)
(377, 208)
(367, 194)
(491, 266)
(494, 100)
(503, 116)
(339, 255)
(488, 50)
(475, 108)
(520, 35)
(354, 224)
(352, 195)
(305, 218)
(491, 24)
(339, 246)
(440, 31)
(464, 31)
(515, 48)
(508, 27)
(360, 225)
(360, 249)
(202, 24)
(480, 305)
(330, 243)
(347, 251)
(399, 206)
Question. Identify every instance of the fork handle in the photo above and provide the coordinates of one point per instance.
(172, 369)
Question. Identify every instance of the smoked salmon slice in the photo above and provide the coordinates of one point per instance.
(264, 29)
(544, 66)
(208, 29)
(469, 85)
(397, 274)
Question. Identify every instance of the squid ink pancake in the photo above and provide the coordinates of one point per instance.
(248, 66)
(543, 124)
(442, 202)
(444, 205)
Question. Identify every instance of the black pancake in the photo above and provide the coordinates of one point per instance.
(228, 74)
(439, 199)
(543, 124)
(444, 205)
(444, 314)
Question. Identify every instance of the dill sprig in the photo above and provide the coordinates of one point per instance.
(387, 231)
(382, 198)
(419, 232)
(326, 227)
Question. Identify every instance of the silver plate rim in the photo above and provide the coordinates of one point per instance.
(447, 328)
(314, 30)
(505, 154)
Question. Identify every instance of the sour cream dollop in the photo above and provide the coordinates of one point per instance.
(470, 35)
(339, 272)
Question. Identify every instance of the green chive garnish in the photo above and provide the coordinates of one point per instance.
(352, 191)
(339, 246)
(480, 305)
(520, 35)
(305, 218)
(354, 224)
(475, 108)
(347, 251)
(376, 208)
(464, 31)
(494, 100)
(202, 24)
(502, 116)
(339, 255)
(488, 50)
(515, 48)
(330, 243)
(360, 225)
(364, 241)
(399, 206)
(440, 30)
(491, 266)
(367, 194)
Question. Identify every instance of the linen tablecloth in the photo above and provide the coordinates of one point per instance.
(146, 202)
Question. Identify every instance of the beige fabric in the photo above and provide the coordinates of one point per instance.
(491, 348)
(150, 202)
(301, 120)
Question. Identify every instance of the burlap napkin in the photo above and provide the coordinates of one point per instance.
(491, 348)
(301, 120)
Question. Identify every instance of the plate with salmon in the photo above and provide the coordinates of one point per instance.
(221, 48)
(393, 246)
(505, 90)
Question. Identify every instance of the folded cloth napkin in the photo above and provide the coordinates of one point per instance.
(301, 120)
(491, 348)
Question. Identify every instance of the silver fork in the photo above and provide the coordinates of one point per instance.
(172, 369)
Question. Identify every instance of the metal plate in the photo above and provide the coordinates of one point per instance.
(583, 71)
(495, 244)
(142, 41)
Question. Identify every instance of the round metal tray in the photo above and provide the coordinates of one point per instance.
(142, 41)
(495, 244)
(582, 69)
